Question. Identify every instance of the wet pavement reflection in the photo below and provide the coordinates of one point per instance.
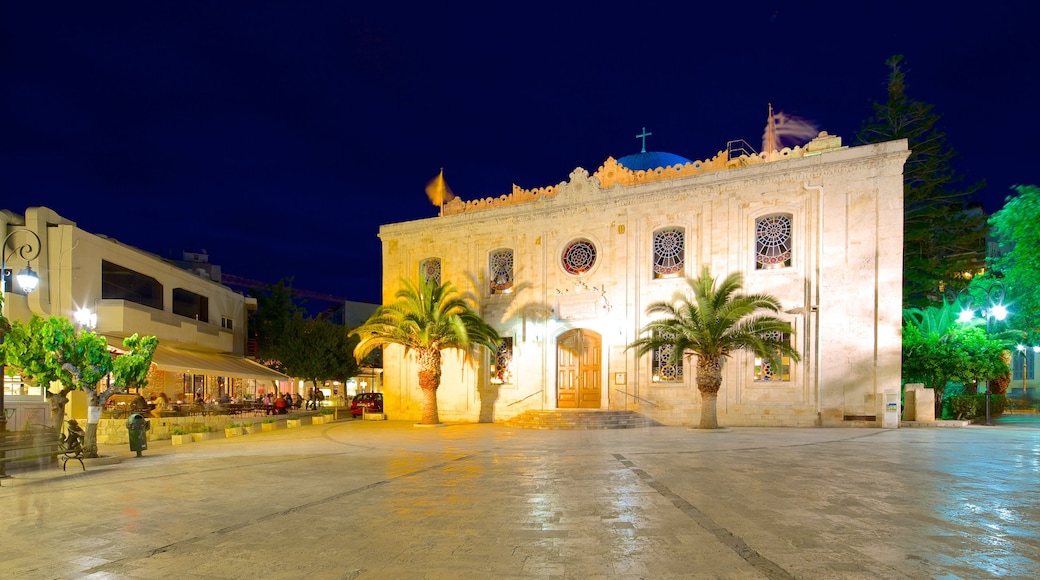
(365, 499)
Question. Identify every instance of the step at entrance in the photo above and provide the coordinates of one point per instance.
(579, 419)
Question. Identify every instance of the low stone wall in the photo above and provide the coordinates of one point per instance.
(114, 432)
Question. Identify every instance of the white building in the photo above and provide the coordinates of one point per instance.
(200, 324)
(565, 274)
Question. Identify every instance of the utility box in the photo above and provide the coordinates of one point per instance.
(890, 419)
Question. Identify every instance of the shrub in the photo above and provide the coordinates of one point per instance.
(270, 420)
(974, 406)
(179, 431)
(326, 411)
(200, 428)
(233, 426)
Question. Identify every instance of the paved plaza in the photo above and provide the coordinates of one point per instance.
(367, 499)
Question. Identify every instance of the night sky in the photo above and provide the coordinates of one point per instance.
(278, 136)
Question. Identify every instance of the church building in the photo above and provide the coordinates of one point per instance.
(565, 274)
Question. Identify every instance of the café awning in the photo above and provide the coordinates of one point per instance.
(175, 360)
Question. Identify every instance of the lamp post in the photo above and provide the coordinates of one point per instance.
(1025, 366)
(27, 281)
(994, 308)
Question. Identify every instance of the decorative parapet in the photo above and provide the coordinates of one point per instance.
(612, 173)
(517, 197)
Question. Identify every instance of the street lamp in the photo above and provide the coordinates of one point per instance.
(27, 281)
(993, 308)
(1025, 366)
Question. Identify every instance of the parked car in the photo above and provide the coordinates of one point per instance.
(366, 402)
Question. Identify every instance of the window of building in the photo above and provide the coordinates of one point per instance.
(1018, 362)
(500, 270)
(764, 370)
(430, 270)
(119, 283)
(669, 245)
(773, 242)
(578, 257)
(666, 367)
(227, 323)
(502, 371)
(190, 305)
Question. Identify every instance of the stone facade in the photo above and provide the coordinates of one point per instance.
(576, 264)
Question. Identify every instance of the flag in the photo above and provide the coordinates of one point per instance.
(438, 191)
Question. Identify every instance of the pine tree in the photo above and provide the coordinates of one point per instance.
(943, 239)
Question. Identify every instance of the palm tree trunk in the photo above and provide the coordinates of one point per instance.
(709, 418)
(429, 380)
(709, 380)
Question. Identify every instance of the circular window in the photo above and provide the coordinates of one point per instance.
(579, 257)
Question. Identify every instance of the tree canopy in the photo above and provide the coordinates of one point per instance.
(709, 322)
(425, 319)
(942, 238)
(1018, 234)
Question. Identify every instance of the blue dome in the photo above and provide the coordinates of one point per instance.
(651, 160)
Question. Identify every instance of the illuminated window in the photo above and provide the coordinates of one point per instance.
(764, 370)
(502, 372)
(668, 252)
(666, 367)
(578, 257)
(773, 242)
(430, 270)
(500, 269)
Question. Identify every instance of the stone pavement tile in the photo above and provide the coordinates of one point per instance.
(383, 500)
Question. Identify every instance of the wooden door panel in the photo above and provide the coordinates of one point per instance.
(578, 356)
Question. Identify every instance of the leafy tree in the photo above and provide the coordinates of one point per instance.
(82, 360)
(1016, 228)
(930, 355)
(981, 357)
(130, 369)
(711, 322)
(317, 350)
(426, 318)
(24, 349)
(941, 240)
(275, 311)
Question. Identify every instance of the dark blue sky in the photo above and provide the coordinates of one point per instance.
(278, 136)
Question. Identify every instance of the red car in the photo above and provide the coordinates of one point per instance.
(366, 403)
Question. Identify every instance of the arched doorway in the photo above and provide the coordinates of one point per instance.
(578, 359)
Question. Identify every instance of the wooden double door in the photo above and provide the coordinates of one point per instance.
(579, 356)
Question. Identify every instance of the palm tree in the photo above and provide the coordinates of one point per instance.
(710, 323)
(426, 318)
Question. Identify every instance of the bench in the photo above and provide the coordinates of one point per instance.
(36, 442)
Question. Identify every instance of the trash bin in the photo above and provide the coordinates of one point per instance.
(137, 425)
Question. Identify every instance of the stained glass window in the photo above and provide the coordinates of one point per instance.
(579, 256)
(773, 242)
(666, 367)
(500, 268)
(764, 370)
(430, 270)
(668, 252)
(503, 368)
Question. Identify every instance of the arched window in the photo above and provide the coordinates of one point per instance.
(502, 373)
(578, 257)
(665, 367)
(669, 245)
(773, 242)
(500, 271)
(430, 270)
(764, 370)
